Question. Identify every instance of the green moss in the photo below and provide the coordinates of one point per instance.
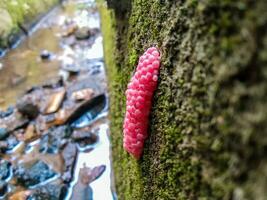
(15, 12)
(208, 123)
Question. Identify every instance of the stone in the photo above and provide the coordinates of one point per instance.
(27, 108)
(49, 192)
(84, 137)
(3, 146)
(5, 170)
(31, 174)
(94, 106)
(84, 94)
(12, 142)
(3, 133)
(69, 155)
(86, 176)
(3, 188)
(21, 195)
(54, 139)
(82, 33)
(45, 55)
(7, 113)
(30, 133)
(55, 101)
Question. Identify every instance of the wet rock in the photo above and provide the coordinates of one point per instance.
(4, 169)
(21, 195)
(14, 122)
(9, 144)
(82, 192)
(54, 83)
(3, 146)
(12, 142)
(55, 139)
(45, 55)
(72, 69)
(32, 89)
(83, 33)
(71, 29)
(84, 94)
(31, 174)
(94, 106)
(7, 113)
(86, 176)
(30, 133)
(89, 175)
(72, 111)
(49, 192)
(3, 133)
(3, 188)
(27, 108)
(69, 155)
(55, 101)
(84, 137)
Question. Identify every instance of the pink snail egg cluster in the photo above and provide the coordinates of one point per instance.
(138, 102)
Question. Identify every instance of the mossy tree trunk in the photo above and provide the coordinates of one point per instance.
(208, 126)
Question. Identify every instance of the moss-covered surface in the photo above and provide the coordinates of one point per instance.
(208, 130)
(16, 12)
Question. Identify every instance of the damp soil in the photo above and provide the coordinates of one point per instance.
(54, 130)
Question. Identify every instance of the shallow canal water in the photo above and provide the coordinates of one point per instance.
(65, 48)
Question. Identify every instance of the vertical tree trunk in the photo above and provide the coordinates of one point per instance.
(208, 128)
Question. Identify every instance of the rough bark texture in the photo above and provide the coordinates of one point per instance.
(208, 130)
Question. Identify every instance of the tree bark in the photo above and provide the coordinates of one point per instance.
(208, 126)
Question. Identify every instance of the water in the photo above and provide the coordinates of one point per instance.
(23, 68)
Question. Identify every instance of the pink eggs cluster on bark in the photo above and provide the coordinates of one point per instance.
(139, 96)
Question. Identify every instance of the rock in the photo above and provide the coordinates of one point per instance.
(84, 94)
(84, 137)
(14, 122)
(3, 188)
(3, 146)
(21, 195)
(7, 113)
(45, 55)
(71, 68)
(3, 133)
(55, 101)
(49, 192)
(86, 176)
(72, 111)
(27, 108)
(54, 83)
(55, 139)
(82, 33)
(30, 133)
(94, 106)
(5, 170)
(12, 142)
(31, 174)
(32, 89)
(71, 29)
(69, 155)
